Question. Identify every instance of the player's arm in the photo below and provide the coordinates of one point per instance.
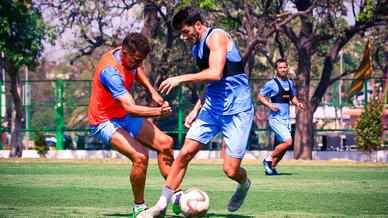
(262, 99)
(294, 99)
(295, 102)
(217, 44)
(113, 82)
(127, 102)
(194, 112)
(143, 80)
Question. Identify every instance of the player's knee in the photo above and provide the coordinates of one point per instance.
(168, 142)
(140, 160)
(288, 143)
(185, 156)
(165, 143)
(230, 171)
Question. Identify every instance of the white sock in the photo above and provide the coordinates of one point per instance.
(269, 159)
(245, 185)
(137, 206)
(175, 195)
(164, 198)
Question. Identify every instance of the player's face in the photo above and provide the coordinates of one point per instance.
(282, 69)
(190, 34)
(131, 61)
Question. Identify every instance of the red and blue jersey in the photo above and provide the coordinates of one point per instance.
(110, 80)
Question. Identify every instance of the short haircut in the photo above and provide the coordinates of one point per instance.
(186, 16)
(280, 60)
(136, 42)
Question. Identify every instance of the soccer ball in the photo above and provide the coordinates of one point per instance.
(194, 203)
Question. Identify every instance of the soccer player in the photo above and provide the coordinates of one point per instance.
(225, 106)
(281, 91)
(115, 119)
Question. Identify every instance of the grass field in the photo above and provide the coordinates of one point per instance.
(36, 188)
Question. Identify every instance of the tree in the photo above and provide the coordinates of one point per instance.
(316, 30)
(370, 126)
(309, 40)
(21, 34)
(40, 144)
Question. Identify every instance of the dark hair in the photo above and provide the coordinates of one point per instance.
(186, 16)
(136, 42)
(280, 60)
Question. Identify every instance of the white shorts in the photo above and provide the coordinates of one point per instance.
(281, 128)
(235, 130)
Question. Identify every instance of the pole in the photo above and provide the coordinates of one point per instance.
(2, 101)
(27, 133)
(1, 107)
(180, 117)
(340, 88)
(59, 114)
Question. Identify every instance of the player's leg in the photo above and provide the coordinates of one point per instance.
(131, 127)
(281, 128)
(232, 169)
(279, 152)
(111, 132)
(179, 167)
(174, 178)
(152, 137)
(235, 130)
(201, 132)
(128, 146)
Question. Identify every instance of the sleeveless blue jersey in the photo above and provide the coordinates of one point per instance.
(271, 89)
(231, 94)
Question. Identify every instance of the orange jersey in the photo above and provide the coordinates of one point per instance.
(102, 105)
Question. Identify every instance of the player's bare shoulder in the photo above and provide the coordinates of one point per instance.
(218, 38)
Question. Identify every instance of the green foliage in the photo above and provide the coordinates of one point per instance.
(368, 12)
(205, 4)
(369, 126)
(22, 30)
(40, 143)
(43, 118)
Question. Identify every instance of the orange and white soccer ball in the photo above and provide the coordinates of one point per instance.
(194, 203)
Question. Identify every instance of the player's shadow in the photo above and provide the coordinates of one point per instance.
(119, 214)
(216, 215)
(227, 215)
(172, 216)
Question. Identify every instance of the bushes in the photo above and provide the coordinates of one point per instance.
(40, 144)
(369, 126)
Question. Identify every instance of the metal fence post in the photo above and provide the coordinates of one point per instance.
(59, 120)
(180, 117)
(1, 113)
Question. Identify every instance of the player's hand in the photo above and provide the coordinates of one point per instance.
(157, 99)
(300, 106)
(274, 108)
(165, 109)
(167, 85)
(190, 118)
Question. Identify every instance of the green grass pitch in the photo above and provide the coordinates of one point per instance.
(102, 189)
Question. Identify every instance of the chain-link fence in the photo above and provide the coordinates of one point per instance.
(58, 108)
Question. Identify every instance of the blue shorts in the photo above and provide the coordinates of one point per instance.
(281, 128)
(235, 130)
(104, 131)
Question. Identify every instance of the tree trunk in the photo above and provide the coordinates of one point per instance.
(16, 126)
(304, 132)
(151, 22)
